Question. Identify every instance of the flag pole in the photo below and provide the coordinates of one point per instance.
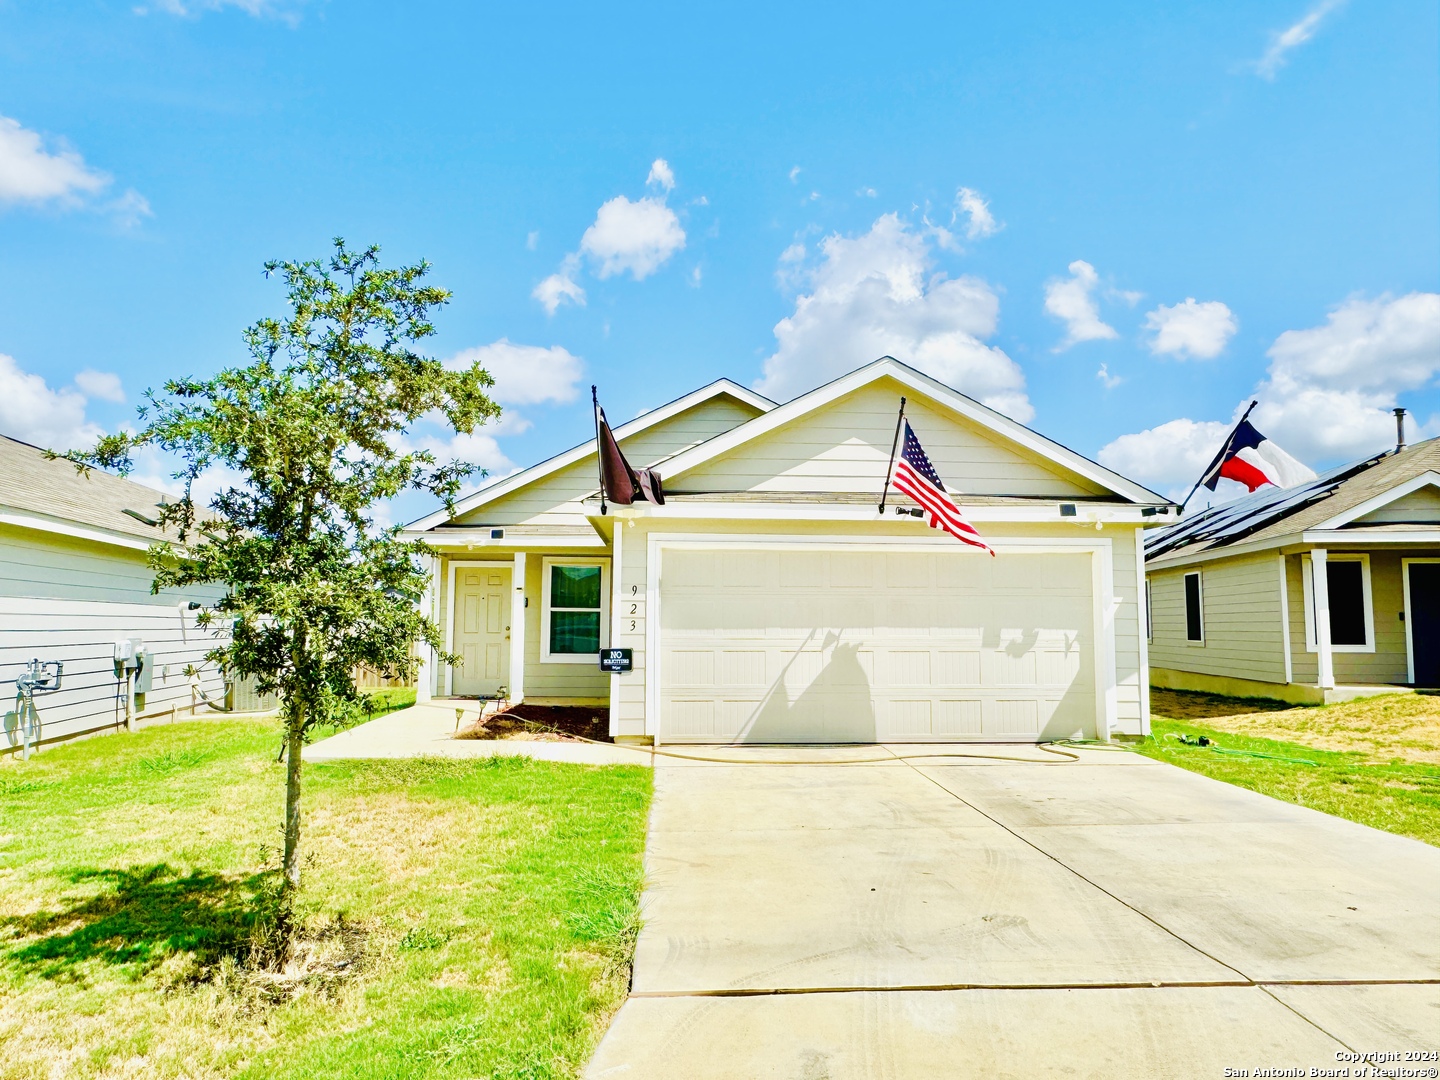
(1216, 461)
(599, 460)
(894, 443)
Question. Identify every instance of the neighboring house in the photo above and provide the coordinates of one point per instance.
(73, 583)
(1320, 592)
(768, 601)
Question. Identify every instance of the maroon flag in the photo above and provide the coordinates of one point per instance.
(619, 482)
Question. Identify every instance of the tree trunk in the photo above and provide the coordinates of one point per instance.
(293, 749)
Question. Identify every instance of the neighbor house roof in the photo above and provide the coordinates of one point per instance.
(52, 495)
(1330, 501)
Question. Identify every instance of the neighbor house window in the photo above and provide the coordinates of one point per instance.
(1194, 609)
(1352, 620)
(574, 609)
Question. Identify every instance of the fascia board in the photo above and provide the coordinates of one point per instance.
(1429, 478)
(907, 376)
(578, 453)
(718, 511)
(477, 538)
(42, 523)
(1330, 537)
(1168, 562)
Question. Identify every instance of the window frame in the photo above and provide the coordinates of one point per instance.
(1199, 600)
(1307, 579)
(548, 561)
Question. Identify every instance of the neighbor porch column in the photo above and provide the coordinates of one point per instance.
(1320, 587)
(517, 629)
(425, 673)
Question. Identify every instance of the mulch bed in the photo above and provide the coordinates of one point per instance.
(553, 723)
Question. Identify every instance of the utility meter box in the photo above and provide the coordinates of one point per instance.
(128, 655)
(144, 671)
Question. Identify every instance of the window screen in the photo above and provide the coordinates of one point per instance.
(1194, 618)
(1347, 602)
(574, 609)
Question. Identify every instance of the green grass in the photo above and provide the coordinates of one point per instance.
(464, 919)
(1397, 796)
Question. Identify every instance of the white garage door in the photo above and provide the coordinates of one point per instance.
(780, 646)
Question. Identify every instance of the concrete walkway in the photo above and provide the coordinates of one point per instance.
(428, 730)
(960, 918)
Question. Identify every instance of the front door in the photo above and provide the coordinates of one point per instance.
(1424, 615)
(482, 630)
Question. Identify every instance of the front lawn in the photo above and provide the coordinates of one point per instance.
(1383, 777)
(464, 918)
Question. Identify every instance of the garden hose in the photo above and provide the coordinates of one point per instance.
(655, 752)
(1203, 742)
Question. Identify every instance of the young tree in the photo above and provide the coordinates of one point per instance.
(313, 429)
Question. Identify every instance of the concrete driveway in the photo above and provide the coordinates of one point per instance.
(954, 917)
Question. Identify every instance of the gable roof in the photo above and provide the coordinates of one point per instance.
(53, 495)
(525, 477)
(1330, 501)
(889, 367)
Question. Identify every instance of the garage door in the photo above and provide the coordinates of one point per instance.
(778, 645)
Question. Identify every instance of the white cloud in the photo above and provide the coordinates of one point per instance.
(661, 175)
(637, 237)
(34, 413)
(1190, 330)
(1330, 388)
(632, 236)
(867, 192)
(1326, 397)
(29, 172)
(561, 286)
(532, 239)
(981, 222)
(104, 385)
(696, 275)
(1167, 458)
(1106, 379)
(525, 374)
(285, 10)
(1291, 38)
(795, 174)
(1072, 301)
(873, 295)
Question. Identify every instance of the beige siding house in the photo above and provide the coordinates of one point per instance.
(768, 601)
(74, 583)
(1317, 593)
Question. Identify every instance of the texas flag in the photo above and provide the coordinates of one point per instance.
(1251, 459)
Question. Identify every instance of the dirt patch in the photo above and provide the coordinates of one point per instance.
(1384, 728)
(555, 723)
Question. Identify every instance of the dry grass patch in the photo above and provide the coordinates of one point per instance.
(1403, 727)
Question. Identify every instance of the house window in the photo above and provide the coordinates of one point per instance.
(1352, 620)
(573, 613)
(1194, 609)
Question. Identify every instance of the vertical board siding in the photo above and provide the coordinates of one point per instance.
(82, 635)
(1241, 619)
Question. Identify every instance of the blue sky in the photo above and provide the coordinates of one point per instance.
(1115, 222)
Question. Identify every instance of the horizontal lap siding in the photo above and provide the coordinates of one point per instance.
(846, 447)
(82, 634)
(555, 499)
(44, 564)
(1241, 604)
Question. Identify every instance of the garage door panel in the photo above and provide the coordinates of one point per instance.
(905, 646)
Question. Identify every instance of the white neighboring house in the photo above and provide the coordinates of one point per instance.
(74, 582)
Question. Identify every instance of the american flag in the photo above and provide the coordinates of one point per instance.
(916, 477)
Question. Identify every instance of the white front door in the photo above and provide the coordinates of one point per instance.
(482, 630)
(775, 645)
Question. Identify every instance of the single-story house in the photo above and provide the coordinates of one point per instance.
(75, 589)
(1319, 592)
(767, 600)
